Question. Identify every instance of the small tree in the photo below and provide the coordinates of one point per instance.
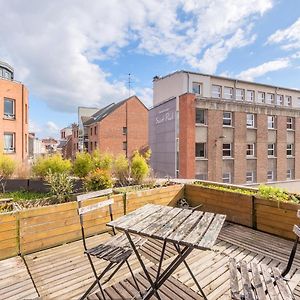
(98, 180)
(61, 185)
(121, 169)
(7, 168)
(83, 164)
(55, 163)
(139, 168)
(103, 161)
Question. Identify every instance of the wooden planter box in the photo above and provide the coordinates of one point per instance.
(34, 229)
(238, 207)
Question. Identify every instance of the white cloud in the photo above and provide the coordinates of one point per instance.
(289, 38)
(264, 68)
(57, 47)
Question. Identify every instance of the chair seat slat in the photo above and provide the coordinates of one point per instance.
(94, 194)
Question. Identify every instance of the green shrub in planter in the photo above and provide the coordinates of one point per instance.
(7, 168)
(121, 169)
(103, 161)
(273, 193)
(61, 185)
(98, 180)
(83, 164)
(55, 163)
(139, 168)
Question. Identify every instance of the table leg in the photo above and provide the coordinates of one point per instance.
(153, 286)
(191, 273)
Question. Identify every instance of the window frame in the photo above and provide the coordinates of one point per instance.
(279, 99)
(252, 150)
(271, 121)
(204, 116)
(252, 97)
(289, 174)
(271, 99)
(198, 90)
(271, 154)
(124, 146)
(290, 123)
(225, 150)
(252, 125)
(204, 151)
(10, 149)
(228, 96)
(261, 99)
(242, 98)
(250, 174)
(290, 150)
(226, 177)
(288, 100)
(270, 172)
(214, 93)
(227, 118)
(124, 130)
(9, 116)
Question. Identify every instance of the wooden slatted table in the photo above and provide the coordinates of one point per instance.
(185, 229)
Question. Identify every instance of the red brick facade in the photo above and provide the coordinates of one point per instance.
(122, 131)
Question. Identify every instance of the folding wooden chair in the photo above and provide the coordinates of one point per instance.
(116, 250)
(259, 281)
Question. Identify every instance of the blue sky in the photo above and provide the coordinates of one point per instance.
(80, 54)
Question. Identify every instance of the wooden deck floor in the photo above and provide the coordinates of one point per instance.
(64, 273)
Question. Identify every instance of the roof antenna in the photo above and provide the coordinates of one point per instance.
(129, 84)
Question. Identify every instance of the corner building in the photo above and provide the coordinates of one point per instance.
(13, 115)
(225, 130)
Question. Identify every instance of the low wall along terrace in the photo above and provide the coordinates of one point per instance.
(35, 229)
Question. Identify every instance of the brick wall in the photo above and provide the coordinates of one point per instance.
(297, 148)
(281, 148)
(262, 147)
(19, 126)
(187, 120)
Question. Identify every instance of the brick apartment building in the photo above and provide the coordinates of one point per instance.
(225, 130)
(14, 115)
(117, 128)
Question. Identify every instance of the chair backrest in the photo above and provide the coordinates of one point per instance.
(82, 210)
(296, 230)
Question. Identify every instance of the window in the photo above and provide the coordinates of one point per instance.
(200, 150)
(270, 176)
(271, 122)
(290, 123)
(226, 150)
(240, 94)
(26, 114)
(26, 143)
(228, 92)
(200, 116)
(95, 145)
(289, 174)
(227, 118)
(261, 97)
(280, 100)
(270, 98)
(9, 108)
(250, 177)
(289, 149)
(91, 145)
(250, 120)
(250, 95)
(197, 88)
(227, 177)
(95, 130)
(124, 145)
(124, 130)
(201, 176)
(91, 131)
(216, 91)
(9, 143)
(288, 100)
(271, 149)
(250, 150)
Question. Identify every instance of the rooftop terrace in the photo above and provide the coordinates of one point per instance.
(64, 273)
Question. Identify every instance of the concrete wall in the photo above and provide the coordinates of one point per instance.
(162, 138)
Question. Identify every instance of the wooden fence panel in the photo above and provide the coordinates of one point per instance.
(164, 196)
(9, 238)
(237, 207)
(276, 217)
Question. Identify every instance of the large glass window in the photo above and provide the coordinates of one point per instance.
(226, 177)
(271, 149)
(280, 100)
(200, 116)
(227, 118)
(250, 95)
(249, 176)
(216, 91)
(290, 150)
(270, 176)
(261, 97)
(271, 122)
(270, 98)
(250, 150)
(9, 108)
(9, 142)
(200, 150)
(289, 174)
(288, 100)
(290, 123)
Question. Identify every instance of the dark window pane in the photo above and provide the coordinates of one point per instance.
(200, 116)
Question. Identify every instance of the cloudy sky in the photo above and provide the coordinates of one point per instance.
(79, 52)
